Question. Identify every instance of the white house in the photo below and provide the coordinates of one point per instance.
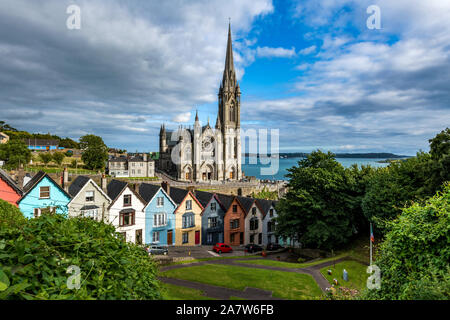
(126, 212)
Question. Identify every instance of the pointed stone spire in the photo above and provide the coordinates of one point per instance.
(196, 115)
(218, 124)
(229, 65)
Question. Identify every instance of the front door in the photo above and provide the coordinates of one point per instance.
(197, 237)
(139, 236)
(169, 237)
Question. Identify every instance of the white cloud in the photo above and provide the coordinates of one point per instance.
(267, 52)
(182, 117)
(308, 50)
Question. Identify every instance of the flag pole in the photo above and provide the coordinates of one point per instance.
(370, 240)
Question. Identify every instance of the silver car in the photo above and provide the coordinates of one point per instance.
(153, 249)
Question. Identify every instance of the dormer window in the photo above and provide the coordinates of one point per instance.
(127, 200)
(89, 196)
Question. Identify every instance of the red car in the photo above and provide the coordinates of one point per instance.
(222, 247)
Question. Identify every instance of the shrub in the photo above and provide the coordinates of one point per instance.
(34, 260)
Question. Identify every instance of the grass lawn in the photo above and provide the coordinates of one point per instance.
(209, 259)
(272, 263)
(285, 285)
(357, 275)
(173, 292)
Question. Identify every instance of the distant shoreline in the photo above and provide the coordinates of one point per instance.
(285, 155)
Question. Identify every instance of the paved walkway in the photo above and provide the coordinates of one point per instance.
(248, 293)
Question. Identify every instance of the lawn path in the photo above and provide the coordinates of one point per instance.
(256, 294)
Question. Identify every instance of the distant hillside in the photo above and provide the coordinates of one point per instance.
(383, 155)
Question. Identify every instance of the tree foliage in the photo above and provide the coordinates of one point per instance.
(265, 194)
(414, 258)
(35, 256)
(317, 210)
(95, 152)
(15, 153)
(58, 158)
(46, 157)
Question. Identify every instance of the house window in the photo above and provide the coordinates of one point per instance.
(259, 238)
(232, 236)
(234, 207)
(209, 237)
(212, 222)
(90, 213)
(139, 171)
(155, 236)
(271, 213)
(44, 192)
(89, 196)
(188, 220)
(185, 237)
(188, 204)
(213, 206)
(159, 220)
(253, 223)
(234, 224)
(126, 219)
(252, 238)
(127, 200)
(36, 212)
(254, 211)
(159, 201)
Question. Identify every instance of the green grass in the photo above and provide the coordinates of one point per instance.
(59, 170)
(138, 178)
(272, 263)
(357, 275)
(173, 292)
(287, 285)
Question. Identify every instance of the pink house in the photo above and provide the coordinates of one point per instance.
(9, 190)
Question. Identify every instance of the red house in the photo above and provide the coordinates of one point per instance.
(9, 190)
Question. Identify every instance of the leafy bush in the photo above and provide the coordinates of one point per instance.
(10, 216)
(58, 158)
(35, 257)
(414, 258)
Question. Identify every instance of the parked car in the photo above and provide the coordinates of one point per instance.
(222, 247)
(152, 249)
(274, 246)
(250, 248)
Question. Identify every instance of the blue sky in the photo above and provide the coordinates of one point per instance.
(309, 68)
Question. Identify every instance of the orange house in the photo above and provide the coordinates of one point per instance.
(234, 223)
(9, 190)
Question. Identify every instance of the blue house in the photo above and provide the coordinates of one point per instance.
(42, 193)
(215, 207)
(159, 215)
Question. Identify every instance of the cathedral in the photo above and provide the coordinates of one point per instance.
(203, 153)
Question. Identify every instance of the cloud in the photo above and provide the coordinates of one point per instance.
(308, 50)
(130, 66)
(267, 52)
(182, 117)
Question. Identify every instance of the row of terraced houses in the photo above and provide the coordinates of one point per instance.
(147, 213)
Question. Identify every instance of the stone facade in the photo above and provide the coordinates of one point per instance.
(131, 167)
(203, 153)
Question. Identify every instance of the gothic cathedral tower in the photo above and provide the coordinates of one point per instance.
(228, 118)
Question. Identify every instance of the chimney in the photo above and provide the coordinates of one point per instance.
(136, 187)
(65, 183)
(20, 177)
(144, 156)
(26, 179)
(191, 189)
(104, 183)
(166, 186)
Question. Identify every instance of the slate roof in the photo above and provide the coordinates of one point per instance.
(246, 203)
(226, 200)
(203, 197)
(77, 185)
(36, 178)
(5, 177)
(178, 194)
(264, 205)
(114, 188)
(147, 191)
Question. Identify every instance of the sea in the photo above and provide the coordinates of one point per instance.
(266, 171)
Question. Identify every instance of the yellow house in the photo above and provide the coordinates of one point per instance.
(188, 220)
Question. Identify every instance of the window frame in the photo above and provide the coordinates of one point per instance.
(41, 192)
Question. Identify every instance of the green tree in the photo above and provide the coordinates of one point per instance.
(69, 143)
(265, 194)
(95, 152)
(58, 158)
(414, 258)
(34, 260)
(6, 127)
(74, 163)
(15, 153)
(440, 155)
(315, 209)
(45, 157)
(10, 216)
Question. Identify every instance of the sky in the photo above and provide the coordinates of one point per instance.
(310, 68)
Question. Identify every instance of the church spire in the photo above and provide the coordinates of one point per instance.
(229, 65)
